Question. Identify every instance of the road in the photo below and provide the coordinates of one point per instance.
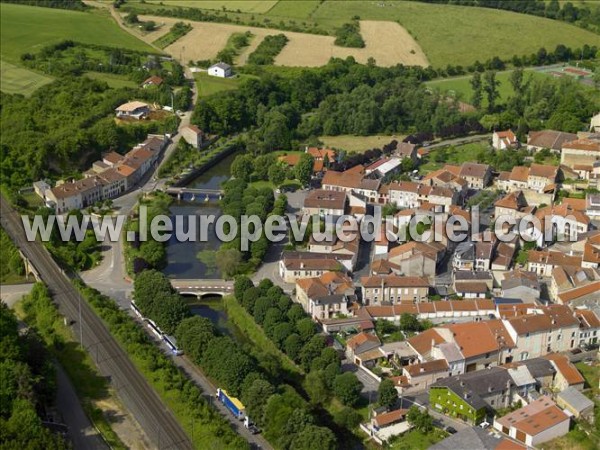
(112, 361)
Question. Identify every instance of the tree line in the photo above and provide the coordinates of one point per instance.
(240, 198)
(76, 5)
(28, 385)
(288, 326)
(268, 49)
(162, 373)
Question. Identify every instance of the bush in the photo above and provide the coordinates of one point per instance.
(348, 35)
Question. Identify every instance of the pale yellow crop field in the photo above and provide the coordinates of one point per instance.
(387, 42)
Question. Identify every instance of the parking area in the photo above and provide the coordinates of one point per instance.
(370, 384)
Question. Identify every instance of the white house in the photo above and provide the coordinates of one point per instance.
(221, 70)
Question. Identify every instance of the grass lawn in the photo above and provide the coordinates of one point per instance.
(461, 86)
(17, 80)
(112, 79)
(29, 28)
(245, 322)
(591, 375)
(296, 9)
(208, 85)
(358, 143)
(417, 440)
(455, 155)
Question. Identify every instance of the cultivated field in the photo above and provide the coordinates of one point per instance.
(358, 143)
(29, 28)
(387, 42)
(249, 6)
(17, 80)
(447, 34)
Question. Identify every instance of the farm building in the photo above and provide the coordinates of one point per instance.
(220, 70)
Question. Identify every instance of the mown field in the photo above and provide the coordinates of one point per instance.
(113, 80)
(358, 143)
(249, 6)
(29, 28)
(448, 34)
(17, 80)
(208, 85)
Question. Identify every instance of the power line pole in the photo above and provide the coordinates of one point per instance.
(80, 325)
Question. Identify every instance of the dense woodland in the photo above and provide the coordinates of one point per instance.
(28, 384)
(347, 98)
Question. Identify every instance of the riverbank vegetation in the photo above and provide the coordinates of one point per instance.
(184, 398)
(144, 252)
(93, 391)
(28, 387)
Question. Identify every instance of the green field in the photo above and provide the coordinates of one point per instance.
(294, 9)
(358, 143)
(249, 6)
(113, 80)
(17, 80)
(460, 87)
(29, 28)
(208, 85)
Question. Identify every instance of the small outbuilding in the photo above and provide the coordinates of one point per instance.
(576, 403)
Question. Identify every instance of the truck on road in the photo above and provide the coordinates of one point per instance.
(237, 409)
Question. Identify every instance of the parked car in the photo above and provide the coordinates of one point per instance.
(484, 424)
(450, 430)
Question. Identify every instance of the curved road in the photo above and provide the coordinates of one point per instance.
(112, 361)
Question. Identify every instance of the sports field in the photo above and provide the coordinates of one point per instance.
(17, 80)
(29, 28)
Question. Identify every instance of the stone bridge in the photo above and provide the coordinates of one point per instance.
(200, 288)
(206, 194)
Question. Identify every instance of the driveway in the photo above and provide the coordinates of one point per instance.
(370, 384)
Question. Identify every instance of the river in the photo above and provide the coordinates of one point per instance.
(182, 259)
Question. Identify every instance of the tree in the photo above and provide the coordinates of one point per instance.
(292, 346)
(386, 394)
(276, 174)
(316, 387)
(304, 169)
(311, 350)
(256, 398)
(347, 388)
(242, 167)
(193, 336)
(313, 437)
(306, 328)
(249, 299)
(241, 285)
(477, 93)
(228, 261)
(409, 322)
(490, 86)
(421, 420)
(347, 418)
